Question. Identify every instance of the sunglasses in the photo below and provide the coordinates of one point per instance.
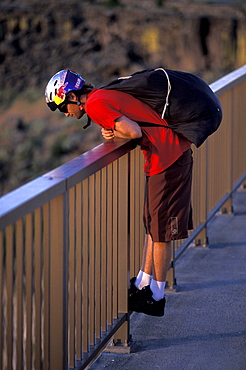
(63, 107)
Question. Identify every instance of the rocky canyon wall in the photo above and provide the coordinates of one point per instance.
(104, 39)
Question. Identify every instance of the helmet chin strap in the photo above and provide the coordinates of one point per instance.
(88, 118)
(88, 123)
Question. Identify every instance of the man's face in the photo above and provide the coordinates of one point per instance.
(73, 110)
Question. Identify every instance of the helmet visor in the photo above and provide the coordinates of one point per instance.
(52, 105)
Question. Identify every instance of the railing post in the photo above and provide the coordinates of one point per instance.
(58, 284)
(121, 341)
(171, 283)
(200, 195)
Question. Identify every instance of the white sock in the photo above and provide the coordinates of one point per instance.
(157, 288)
(142, 279)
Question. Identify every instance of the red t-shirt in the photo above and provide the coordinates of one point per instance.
(161, 146)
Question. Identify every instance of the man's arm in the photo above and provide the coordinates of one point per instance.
(124, 128)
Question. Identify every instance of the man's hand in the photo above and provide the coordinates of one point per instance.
(107, 134)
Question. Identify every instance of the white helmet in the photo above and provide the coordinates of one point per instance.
(59, 85)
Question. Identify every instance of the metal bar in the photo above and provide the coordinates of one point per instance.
(19, 289)
(78, 241)
(122, 335)
(92, 260)
(188, 241)
(29, 289)
(199, 193)
(103, 278)
(37, 289)
(210, 216)
(141, 176)
(133, 213)
(46, 282)
(85, 268)
(138, 212)
(109, 231)
(239, 131)
(228, 81)
(97, 213)
(71, 283)
(10, 294)
(115, 240)
(101, 344)
(58, 283)
(18, 203)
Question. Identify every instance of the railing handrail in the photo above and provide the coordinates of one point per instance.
(228, 81)
(32, 195)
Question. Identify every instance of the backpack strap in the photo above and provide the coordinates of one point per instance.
(168, 91)
(152, 124)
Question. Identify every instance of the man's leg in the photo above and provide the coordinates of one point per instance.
(162, 253)
(147, 255)
(145, 274)
(155, 262)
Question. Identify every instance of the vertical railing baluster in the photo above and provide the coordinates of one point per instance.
(122, 335)
(46, 283)
(103, 220)
(37, 288)
(97, 214)
(85, 266)
(10, 293)
(71, 280)
(114, 231)
(78, 240)
(58, 284)
(110, 233)
(134, 213)
(91, 247)
(29, 290)
(19, 295)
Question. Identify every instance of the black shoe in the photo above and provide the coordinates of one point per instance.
(149, 305)
(135, 296)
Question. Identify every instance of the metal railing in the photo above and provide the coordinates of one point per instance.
(71, 239)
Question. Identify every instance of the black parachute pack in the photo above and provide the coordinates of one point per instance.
(184, 100)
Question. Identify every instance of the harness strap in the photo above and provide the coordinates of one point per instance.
(150, 124)
(168, 91)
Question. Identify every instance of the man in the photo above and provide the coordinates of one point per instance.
(168, 171)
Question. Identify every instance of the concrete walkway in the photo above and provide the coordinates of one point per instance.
(204, 327)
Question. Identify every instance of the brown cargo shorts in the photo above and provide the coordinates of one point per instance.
(167, 203)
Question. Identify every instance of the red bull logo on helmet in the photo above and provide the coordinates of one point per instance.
(60, 94)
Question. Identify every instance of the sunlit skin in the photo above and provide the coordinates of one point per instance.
(76, 111)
